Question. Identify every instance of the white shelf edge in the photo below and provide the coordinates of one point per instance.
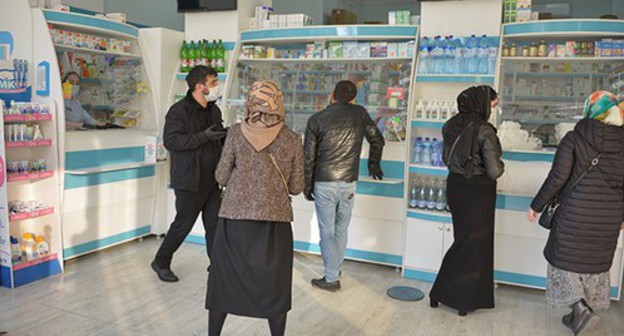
(323, 60)
(430, 212)
(415, 165)
(111, 168)
(563, 59)
(384, 181)
(91, 51)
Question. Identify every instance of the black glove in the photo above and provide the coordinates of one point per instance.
(308, 193)
(214, 134)
(375, 172)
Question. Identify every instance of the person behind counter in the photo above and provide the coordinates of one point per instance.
(332, 147)
(253, 254)
(75, 115)
(194, 137)
(587, 178)
(472, 153)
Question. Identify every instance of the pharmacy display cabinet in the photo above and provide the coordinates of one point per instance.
(307, 63)
(548, 69)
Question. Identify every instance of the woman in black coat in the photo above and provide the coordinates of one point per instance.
(584, 232)
(472, 153)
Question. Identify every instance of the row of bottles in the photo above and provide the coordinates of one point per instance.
(435, 110)
(202, 53)
(449, 55)
(427, 152)
(428, 194)
(30, 248)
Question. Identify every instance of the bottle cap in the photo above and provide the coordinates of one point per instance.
(39, 240)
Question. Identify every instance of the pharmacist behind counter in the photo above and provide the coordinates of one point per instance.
(76, 117)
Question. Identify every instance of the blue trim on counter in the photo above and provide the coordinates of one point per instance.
(195, 239)
(419, 275)
(378, 257)
(427, 124)
(408, 32)
(478, 79)
(5, 276)
(182, 76)
(564, 26)
(529, 157)
(80, 181)
(89, 21)
(36, 272)
(436, 171)
(433, 217)
(391, 169)
(104, 242)
(512, 202)
(379, 189)
(103, 157)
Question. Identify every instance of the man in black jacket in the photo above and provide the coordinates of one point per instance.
(194, 137)
(332, 147)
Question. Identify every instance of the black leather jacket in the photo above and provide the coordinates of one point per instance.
(487, 159)
(333, 143)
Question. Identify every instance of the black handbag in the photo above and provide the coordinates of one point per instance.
(550, 210)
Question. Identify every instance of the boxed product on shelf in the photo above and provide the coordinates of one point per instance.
(336, 50)
(378, 49)
(351, 49)
(342, 16)
(398, 18)
(393, 49)
(364, 49)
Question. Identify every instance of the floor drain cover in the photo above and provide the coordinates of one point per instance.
(405, 293)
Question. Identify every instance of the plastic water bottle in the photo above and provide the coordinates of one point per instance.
(449, 59)
(472, 60)
(424, 59)
(413, 201)
(484, 52)
(459, 56)
(422, 194)
(441, 197)
(425, 156)
(492, 56)
(417, 150)
(434, 152)
(438, 56)
(431, 195)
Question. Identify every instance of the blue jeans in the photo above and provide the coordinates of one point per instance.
(334, 204)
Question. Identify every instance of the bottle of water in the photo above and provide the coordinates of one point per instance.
(492, 56)
(449, 59)
(441, 197)
(434, 152)
(425, 157)
(484, 52)
(417, 150)
(459, 56)
(438, 56)
(472, 61)
(422, 194)
(424, 59)
(413, 201)
(431, 195)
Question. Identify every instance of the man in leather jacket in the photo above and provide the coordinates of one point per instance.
(332, 147)
(194, 136)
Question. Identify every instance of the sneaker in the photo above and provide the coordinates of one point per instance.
(164, 274)
(322, 283)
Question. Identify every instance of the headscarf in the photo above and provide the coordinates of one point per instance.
(603, 106)
(264, 97)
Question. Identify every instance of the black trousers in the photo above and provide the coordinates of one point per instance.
(188, 206)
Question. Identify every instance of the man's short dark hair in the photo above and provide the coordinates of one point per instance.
(198, 75)
(345, 91)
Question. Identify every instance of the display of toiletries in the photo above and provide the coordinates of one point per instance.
(15, 108)
(22, 132)
(435, 110)
(18, 207)
(25, 167)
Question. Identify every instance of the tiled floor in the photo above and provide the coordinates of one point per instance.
(115, 293)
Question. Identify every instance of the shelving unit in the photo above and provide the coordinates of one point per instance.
(61, 47)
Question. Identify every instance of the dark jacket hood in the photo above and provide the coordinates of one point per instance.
(601, 137)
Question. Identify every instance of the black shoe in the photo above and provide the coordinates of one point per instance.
(463, 313)
(584, 318)
(568, 319)
(328, 286)
(433, 303)
(164, 274)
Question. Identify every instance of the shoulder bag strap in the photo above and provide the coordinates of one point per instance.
(280, 173)
(594, 162)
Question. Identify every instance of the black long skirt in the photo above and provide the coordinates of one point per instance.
(466, 279)
(251, 268)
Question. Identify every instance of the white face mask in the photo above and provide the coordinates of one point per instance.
(213, 94)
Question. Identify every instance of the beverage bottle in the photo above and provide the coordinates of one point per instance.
(449, 59)
(484, 51)
(413, 201)
(445, 111)
(492, 56)
(215, 54)
(425, 156)
(428, 108)
(198, 54)
(441, 197)
(431, 195)
(420, 110)
(184, 65)
(434, 153)
(191, 55)
(423, 59)
(422, 194)
(472, 63)
(209, 54)
(29, 250)
(459, 56)
(223, 58)
(438, 52)
(435, 111)
(417, 150)
(16, 250)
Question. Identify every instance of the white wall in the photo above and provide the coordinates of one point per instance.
(313, 8)
(224, 25)
(585, 8)
(153, 13)
(93, 5)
